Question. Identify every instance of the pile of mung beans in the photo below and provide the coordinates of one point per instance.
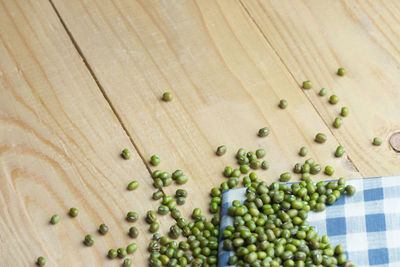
(269, 229)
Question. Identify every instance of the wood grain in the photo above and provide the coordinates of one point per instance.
(226, 79)
(59, 148)
(314, 38)
(228, 63)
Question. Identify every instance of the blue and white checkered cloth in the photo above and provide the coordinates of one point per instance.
(367, 224)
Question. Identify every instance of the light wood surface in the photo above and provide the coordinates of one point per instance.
(83, 80)
(60, 145)
(314, 38)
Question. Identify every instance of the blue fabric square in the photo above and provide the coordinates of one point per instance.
(378, 256)
(336, 226)
(340, 201)
(373, 194)
(375, 222)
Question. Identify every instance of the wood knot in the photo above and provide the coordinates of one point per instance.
(394, 141)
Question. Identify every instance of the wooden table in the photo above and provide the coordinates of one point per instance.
(82, 79)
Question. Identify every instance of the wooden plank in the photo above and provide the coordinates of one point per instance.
(226, 79)
(314, 38)
(59, 147)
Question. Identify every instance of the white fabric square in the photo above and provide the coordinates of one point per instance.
(356, 242)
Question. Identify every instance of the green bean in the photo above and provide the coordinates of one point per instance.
(163, 209)
(121, 252)
(303, 151)
(182, 179)
(265, 165)
(243, 160)
(180, 200)
(235, 173)
(244, 169)
(320, 207)
(337, 122)
(350, 190)
(133, 185)
(167, 181)
(307, 85)
(41, 261)
(174, 231)
(126, 154)
(297, 168)
(127, 263)
(103, 229)
(166, 200)
(181, 193)
(341, 258)
(131, 248)
(133, 232)
(73, 212)
(158, 183)
(251, 156)
(154, 227)
(167, 96)
(255, 164)
(176, 214)
(341, 71)
(260, 153)
(228, 171)
(305, 168)
(88, 241)
(310, 161)
(154, 160)
(132, 216)
(156, 174)
(283, 103)
(263, 132)
(55, 219)
(344, 111)
(339, 151)
(320, 138)
(171, 205)
(329, 170)
(333, 99)
(314, 169)
(323, 91)
(240, 153)
(176, 174)
(285, 177)
(221, 150)
(112, 253)
(158, 195)
(377, 141)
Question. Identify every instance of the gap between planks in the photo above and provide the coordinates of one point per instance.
(75, 44)
(292, 76)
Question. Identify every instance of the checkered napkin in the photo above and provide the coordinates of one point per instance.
(366, 224)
